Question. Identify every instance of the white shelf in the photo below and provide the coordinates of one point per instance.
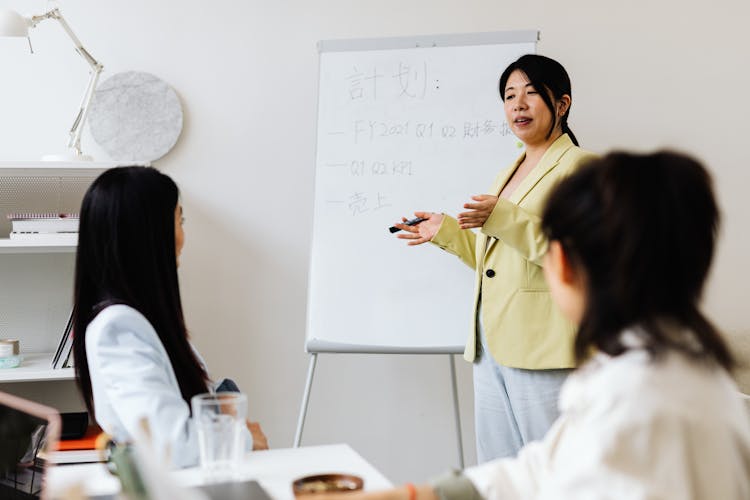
(36, 367)
(59, 165)
(9, 246)
(43, 281)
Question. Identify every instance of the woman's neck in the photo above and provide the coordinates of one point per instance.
(534, 152)
(531, 157)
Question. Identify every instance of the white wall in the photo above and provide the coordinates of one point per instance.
(645, 75)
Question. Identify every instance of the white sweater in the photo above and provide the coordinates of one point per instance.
(632, 427)
(132, 378)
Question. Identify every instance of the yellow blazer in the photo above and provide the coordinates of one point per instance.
(523, 327)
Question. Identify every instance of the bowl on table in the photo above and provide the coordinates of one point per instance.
(326, 483)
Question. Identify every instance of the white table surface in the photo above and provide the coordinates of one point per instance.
(273, 469)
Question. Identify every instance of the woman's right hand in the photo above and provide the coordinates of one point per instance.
(422, 232)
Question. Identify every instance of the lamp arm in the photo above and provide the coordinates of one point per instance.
(77, 128)
(96, 69)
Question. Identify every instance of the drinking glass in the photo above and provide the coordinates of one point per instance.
(220, 420)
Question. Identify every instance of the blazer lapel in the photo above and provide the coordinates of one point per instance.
(547, 162)
(503, 177)
(484, 241)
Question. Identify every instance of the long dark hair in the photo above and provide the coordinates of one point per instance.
(544, 73)
(642, 228)
(126, 255)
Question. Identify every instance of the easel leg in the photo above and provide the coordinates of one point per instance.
(457, 413)
(306, 399)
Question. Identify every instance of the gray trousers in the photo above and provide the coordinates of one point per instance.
(512, 406)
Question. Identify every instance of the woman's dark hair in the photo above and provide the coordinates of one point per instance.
(126, 255)
(544, 73)
(642, 228)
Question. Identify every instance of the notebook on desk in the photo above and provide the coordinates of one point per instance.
(243, 490)
(26, 428)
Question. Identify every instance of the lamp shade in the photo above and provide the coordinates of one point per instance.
(13, 24)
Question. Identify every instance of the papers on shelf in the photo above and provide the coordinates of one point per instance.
(39, 228)
(37, 222)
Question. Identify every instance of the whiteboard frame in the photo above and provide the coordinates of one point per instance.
(325, 346)
(314, 346)
(446, 40)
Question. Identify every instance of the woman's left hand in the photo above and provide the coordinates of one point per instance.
(480, 210)
(260, 442)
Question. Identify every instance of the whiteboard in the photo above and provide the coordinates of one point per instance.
(404, 124)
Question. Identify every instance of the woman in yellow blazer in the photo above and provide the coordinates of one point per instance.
(520, 343)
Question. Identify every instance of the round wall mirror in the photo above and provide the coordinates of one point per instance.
(135, 116)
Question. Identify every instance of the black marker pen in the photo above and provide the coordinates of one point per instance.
(412, 222)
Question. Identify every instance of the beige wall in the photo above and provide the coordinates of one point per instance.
(646, 74)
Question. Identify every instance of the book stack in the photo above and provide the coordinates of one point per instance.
(47, 227)
(63, 355)
(77, 451)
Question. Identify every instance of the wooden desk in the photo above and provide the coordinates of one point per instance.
(273, 469)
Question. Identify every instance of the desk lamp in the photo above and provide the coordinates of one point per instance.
(13, 24)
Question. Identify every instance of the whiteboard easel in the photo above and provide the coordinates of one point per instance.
(404, 124)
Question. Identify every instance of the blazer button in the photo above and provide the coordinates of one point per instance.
(490, 273)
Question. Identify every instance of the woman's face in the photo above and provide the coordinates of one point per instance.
(525, 110)
(179, 232)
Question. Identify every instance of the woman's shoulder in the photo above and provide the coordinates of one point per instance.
(119, 314)
(637, 385)
(116, 320)
(566, 155)
(578, 156)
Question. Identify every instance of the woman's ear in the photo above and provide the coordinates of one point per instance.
(565, 282)
(563, 105)
(559, 264)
